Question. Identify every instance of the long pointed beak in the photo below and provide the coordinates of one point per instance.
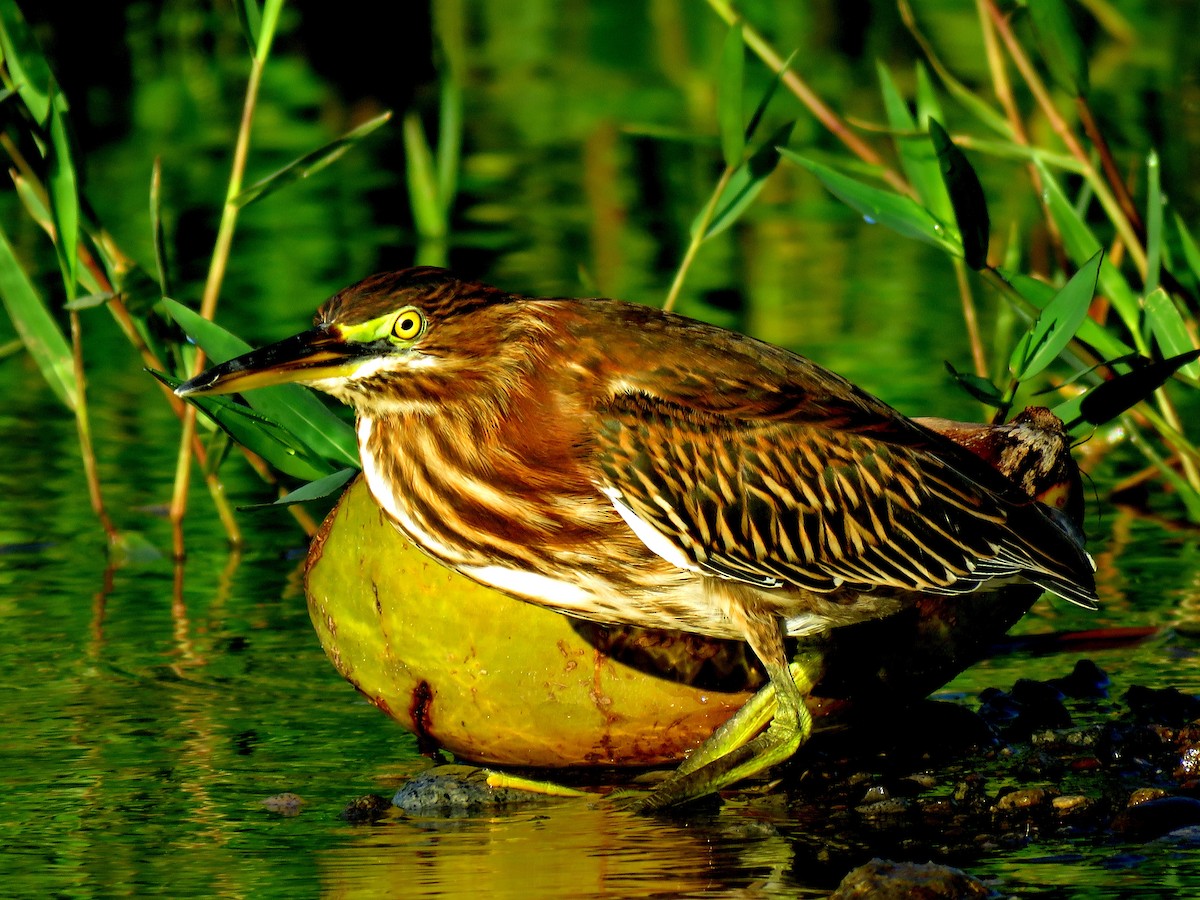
(308, 356)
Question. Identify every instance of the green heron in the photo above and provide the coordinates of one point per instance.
(631, 466)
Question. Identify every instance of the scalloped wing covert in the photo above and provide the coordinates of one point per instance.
(774, 503)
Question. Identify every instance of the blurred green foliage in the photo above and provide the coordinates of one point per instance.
(634, 155)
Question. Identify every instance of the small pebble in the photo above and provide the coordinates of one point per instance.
(286, 804)
(1071, 804)
(1141, 795)
(366, 809)
(1023, 798)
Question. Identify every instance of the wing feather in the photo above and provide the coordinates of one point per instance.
(815, 504)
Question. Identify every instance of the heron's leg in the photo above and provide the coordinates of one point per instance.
(733, 752)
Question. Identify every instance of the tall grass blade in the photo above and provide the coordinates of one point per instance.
(729, 97)
(917, 158)
(1191, 252)
(25, 61)
(1170, 331)
(309, 164)
(36, 327)
(250, 21)
(449, 145)
(156, 230)
(63, 189)
(421, 174)
(1154, 222)
(1081, 245)
(1060, 46)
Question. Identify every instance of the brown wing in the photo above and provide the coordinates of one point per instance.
(820, 505)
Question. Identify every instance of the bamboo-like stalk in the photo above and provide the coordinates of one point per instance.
(1040, 93)
(220, 259)
(970, 318)
(1003, 90)
(693, 248)
(83, 428)
(833, 123)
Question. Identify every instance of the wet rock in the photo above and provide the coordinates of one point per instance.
(1086, 681)
(886, 880)
(998, 708)
(459, 790)
(1157, 817)
(884, 809)
(365, 809)
(1071, 805)
(916, 783)
(971, 793)
(1187, 837)
(1129, 745)
(1162, 706)
(1066, 740)
(1041, 705)
(876, 794)
(1023, 799)
(1141, 795)
(1030, 706)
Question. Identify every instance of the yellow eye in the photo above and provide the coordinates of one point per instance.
(408, 325)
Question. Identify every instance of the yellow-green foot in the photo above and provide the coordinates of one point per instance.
(734, 752)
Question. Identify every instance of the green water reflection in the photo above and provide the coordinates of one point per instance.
(148, 711)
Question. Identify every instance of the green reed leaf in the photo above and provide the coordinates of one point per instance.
(309, 164)
(257, 433)
(901, 214)
(329, 486)
(979, 388)
(1081, 245)
(36, 327)
(730, 86)
(1169, 329)
(63, 189)
(746, 183)
(1057, 324)
(1109, 399)
(765, 101)
(293, 407)
(25, 61)
(918, 159)
(1060, 45)
(966, 196)
(928, 105)
(1039, 294)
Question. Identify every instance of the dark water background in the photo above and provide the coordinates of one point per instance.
(147, 710)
